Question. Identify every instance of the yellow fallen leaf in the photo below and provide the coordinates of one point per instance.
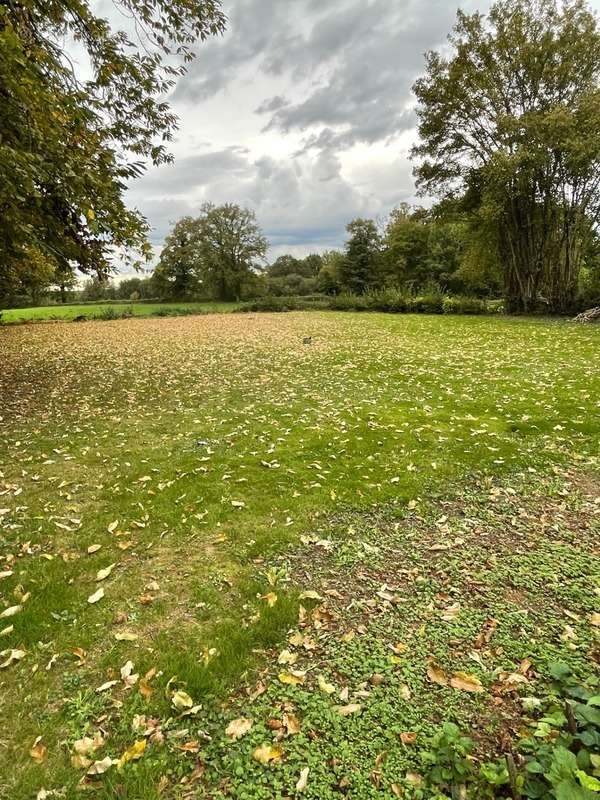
(94, 598)
(292, 678)
(104, 573)
(270, 598)
(125, 636)
(238, 728)
(595, 619)
(267, 753)
(113, 526)
(133, 753)
(181, 700)
(93, 548)
(310, 595)
(465, 683)
(8, 630)
(327, 688)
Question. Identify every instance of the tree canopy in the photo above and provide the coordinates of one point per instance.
(68, 144)
(217, 251)
(511, 121)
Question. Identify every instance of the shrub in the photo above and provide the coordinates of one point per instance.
(350, 302)
(464, 305)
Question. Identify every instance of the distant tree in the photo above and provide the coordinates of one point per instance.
(360, 269)
(68, 146)
(231, 248)
(406, 241)
(98, 288)
(283, 266)
(512, 118)
(312, 263)
(329, 278)
(179, 273)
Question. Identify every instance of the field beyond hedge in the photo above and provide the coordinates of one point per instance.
(237, 547)
(91, 311)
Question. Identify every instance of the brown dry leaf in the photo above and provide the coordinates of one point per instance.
(291, 724)
(238, 728)
(465, 683)
(408, 738)
(436, 674)
(39, 751)
(267, 753)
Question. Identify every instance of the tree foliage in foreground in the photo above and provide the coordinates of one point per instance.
(511, 121)
(68, 146)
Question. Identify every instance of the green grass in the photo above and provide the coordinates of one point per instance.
(218, 444)
(106, 310)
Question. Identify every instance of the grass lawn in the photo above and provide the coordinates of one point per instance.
(204, 520)
(103, 310)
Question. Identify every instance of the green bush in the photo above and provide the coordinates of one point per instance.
(464, 305)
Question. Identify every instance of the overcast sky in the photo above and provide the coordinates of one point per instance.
(302, 111)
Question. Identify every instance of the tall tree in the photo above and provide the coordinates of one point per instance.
(68, 146)
(179, 271)
(512, 119)
(360, 269)
(231, 247)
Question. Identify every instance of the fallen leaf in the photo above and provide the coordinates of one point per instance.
(408, 738)
(11, 611)
(133, 753)
(292, 678)
(270, 598)
(181, 701)
(238, 728)
(94, 598)
(303, 780)
(351, 708)
(436, 674)
(267, 753)
(39, 751)
(93, 548)
(125, 636)
(11, 656)
(113, 526)
(326, 688)
(104, 573)
(466, 683)
(100, 767)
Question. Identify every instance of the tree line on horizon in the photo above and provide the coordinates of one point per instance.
(508, 144)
